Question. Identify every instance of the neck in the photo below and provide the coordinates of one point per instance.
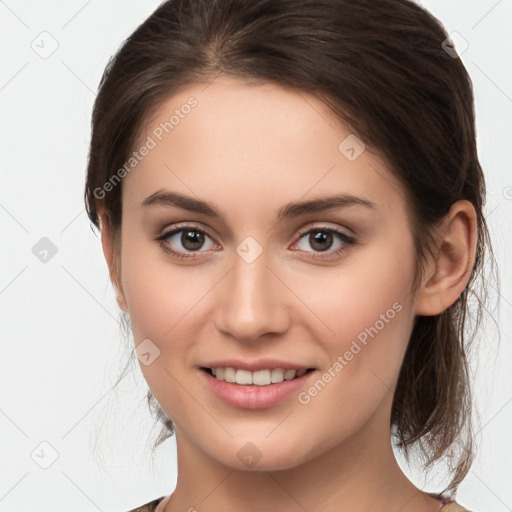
(359, 474)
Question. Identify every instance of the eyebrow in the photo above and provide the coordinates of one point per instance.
(290, 210)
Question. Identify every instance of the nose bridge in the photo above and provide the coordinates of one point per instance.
(252, 304)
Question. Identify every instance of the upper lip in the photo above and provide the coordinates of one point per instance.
(254, 366)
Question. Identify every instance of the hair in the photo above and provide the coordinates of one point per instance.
(382, 69)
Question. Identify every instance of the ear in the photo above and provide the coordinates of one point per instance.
(450, 273)
(111, 251)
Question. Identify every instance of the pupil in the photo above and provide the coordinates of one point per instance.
(192, 240)
(320, 237)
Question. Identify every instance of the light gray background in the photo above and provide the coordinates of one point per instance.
(61, 345)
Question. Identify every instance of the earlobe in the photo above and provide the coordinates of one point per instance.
(110, 251)
(457, 239)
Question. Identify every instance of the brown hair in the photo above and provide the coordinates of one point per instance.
(383, 69)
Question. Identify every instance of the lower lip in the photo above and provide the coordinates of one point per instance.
(253, 396)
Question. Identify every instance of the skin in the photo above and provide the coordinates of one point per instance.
(250, 149)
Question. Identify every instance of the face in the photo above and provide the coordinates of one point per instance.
(255, 283)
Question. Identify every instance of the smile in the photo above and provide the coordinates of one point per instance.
(254, 390)
(258, 378)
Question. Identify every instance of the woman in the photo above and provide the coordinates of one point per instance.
(290, 204)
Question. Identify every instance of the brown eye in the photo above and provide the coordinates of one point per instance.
(184, 241)
(320, 240)
(192, 239)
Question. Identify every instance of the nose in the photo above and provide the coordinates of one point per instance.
(253, 301)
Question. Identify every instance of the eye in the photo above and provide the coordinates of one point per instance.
(185, 239)
(323, 238)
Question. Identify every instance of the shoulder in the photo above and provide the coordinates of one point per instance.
(149, 507)
(449, 503)
(453, 507)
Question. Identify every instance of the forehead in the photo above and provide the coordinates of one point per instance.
(252, 144)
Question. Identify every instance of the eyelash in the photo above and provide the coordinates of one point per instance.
(347, 241)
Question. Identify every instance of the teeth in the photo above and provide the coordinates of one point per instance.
(258, 378)
(277, 375)
(243, 377)
(229, 375)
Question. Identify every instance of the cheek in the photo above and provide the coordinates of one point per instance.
(159, 295)
(367, 309)
(164, 303)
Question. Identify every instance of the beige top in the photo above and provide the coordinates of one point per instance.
(449, 504)
(451, 507)
(159, 504)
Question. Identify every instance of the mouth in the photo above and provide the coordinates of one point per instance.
(259, 389)
(266, 377)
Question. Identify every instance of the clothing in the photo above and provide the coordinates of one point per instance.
(158, 505)
(449, 504)
(153, 506)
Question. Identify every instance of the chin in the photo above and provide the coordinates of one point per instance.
(250, 458)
